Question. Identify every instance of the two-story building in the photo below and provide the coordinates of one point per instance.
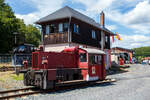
(67, 27)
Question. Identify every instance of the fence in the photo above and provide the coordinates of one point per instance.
(5, 58)
(15, 59)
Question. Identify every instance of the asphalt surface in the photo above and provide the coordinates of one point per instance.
(131, 85)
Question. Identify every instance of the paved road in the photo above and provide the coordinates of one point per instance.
(132, 85)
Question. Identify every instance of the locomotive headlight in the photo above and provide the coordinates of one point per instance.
(44, 60)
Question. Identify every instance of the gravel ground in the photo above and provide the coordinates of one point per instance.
(7, 81)
(132, 85)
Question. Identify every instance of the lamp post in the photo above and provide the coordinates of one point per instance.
(15, 33)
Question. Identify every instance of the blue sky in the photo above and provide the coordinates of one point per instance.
(129, 18)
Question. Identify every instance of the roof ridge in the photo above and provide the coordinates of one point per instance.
(80, 13)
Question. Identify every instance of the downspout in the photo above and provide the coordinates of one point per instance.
(102, 40)
(69, 34)
(42, 39)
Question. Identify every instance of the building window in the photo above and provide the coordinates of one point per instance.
(76, 28)
(47, 29)
(106, 39)
(60, 27)
(52, 28)
(66, 26)
(93, 34)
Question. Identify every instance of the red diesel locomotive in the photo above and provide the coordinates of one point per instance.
(74, 63)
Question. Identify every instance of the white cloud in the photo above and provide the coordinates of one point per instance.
(44, 7)
(139, 14)
(137, 19)
(132, 41)
(29, 18)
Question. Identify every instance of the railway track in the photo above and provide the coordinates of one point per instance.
(4, 69)
(6, 95)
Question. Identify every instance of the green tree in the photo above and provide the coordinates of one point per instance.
(10, 24)
(32, 35)
(7, 19)
(142, 52)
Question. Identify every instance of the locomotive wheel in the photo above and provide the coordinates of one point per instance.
(26, 80)
(38, 80)
(48, 84)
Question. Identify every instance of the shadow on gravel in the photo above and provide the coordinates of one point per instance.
(83, 87)
(117, 69)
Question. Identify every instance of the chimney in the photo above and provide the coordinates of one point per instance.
(102, 19)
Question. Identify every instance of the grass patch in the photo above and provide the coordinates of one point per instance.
(5, 75)
(1, 80)
(18, 78)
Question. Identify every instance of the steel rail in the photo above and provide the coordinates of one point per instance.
(59, 87)
(16, 90)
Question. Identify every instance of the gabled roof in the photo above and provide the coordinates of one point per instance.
(68, 12)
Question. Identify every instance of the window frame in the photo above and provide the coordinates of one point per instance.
(93, 34)
(85, 59)
(60, 29)
(50, 29)
(76, 28)
(66, 28)
(95, 59)
(47, 29)
(106, 39)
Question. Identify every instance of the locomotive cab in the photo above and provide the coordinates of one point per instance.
(93, 61)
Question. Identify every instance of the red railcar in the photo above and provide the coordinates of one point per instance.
(49, 68)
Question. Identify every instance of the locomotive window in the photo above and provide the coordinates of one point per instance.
(94, 59)
(100, 59)
(83, 57)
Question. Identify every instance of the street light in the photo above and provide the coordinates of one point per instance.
(15, 33)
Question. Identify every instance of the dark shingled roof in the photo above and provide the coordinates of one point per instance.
(67, 12)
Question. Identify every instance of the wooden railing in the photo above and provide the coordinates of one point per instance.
(55, 38)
